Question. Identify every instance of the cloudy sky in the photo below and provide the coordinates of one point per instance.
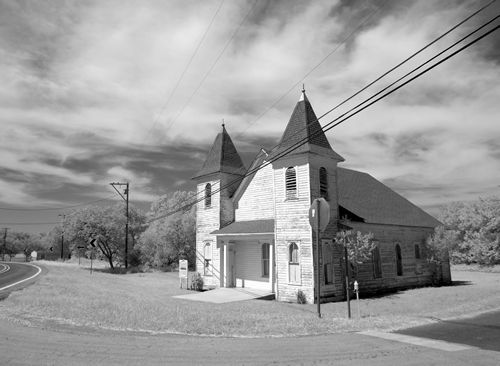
(100, 91)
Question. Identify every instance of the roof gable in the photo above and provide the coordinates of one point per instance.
(222, 157)
(376, 203)
(304, 126)
(257, 162)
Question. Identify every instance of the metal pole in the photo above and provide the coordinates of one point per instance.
(348, 292)
(62, 236)
(318, 263)
(4, 242)
(126, 231)
(357, 302)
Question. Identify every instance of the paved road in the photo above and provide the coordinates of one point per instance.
(482, 331)
(21, 345)
(13, 273)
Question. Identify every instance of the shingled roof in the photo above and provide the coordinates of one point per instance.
(304, 126)
(247, 227)
(222, 157)
(376, 203)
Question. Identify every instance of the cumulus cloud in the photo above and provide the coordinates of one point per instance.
(86, 86)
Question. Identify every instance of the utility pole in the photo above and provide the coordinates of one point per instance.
(124, 196)
(4, 242)
(62, 235)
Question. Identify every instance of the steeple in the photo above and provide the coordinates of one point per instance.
(222, 157)
(304, 126)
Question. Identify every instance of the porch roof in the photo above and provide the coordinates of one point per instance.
(247, 227)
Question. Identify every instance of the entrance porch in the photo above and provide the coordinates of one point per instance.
(247, 261)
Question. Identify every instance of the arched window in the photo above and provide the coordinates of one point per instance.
(377, 264)
(207, 255)
(293, 263)
(265, 260)
(399, 261)
(417, 251)
(323, 183)
(327, 254)
(291, 183)
(208, 195)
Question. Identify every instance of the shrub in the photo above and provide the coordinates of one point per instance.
(197, 282)
(301, 297)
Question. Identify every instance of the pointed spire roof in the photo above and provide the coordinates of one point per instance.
(222, 157)
(304, 126)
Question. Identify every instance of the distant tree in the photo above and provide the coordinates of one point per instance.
(52, 241)
(475, 230)
(107, 226)
(359, 246)
(26, 243)
(168, 239)
(441, 243)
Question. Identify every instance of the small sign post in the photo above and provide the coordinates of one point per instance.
(183, 272)
(319, 217)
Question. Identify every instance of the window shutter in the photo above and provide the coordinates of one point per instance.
(208, 195)
(291, 183)
(323, 183)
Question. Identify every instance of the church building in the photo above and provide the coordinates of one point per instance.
(252, 225)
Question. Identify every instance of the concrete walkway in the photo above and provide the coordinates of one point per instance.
(223, 295)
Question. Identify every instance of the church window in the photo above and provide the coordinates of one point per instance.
(291, 183)
(208, 195)
(377, 264)
(293, 263)
(207, 258)
(417, 251)
(328, 263)
(265, 260)
(399, 261)
(323, 183)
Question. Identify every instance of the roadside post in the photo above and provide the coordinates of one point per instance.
(356, 289)
(319, 217)
(92, 247)
(347, 285)
(183, 272)
(80, 247)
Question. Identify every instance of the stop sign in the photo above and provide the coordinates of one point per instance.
(320, 209)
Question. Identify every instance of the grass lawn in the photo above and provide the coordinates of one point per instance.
(68, 294)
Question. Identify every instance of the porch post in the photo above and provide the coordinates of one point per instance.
(226, 266)
(271, 261)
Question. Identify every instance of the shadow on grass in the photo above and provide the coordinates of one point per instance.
(461, 283)
(118, 271)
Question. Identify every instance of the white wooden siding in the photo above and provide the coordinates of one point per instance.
(292, 224)
(257, 202)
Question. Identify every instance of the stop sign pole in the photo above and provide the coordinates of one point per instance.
(319, 217)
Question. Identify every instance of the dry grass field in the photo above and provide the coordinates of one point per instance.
(68, 294)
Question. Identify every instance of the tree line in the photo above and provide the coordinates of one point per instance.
(100, 232)
(470, 234)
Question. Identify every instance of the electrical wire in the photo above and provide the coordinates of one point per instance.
(380, 77)
(181, 77)
(376, 79)
(349, 36)
(221, 53)
(56, 208)
(335, 122)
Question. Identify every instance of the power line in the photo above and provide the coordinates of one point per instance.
(379, 78)
(376, 79)
(212, 66)
(349, 36)
(55, 208)
(28, 223)
(332, 124)
(185, 69)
